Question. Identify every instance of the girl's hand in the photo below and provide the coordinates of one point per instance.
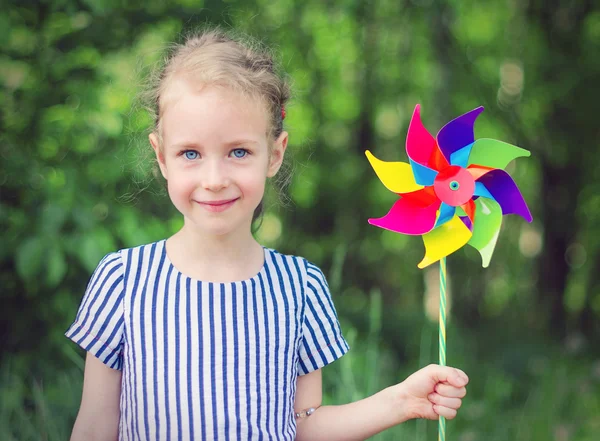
(431, 392)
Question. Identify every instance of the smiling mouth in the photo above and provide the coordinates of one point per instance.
(217, 206)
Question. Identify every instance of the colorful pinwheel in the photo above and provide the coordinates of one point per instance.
(454, 191)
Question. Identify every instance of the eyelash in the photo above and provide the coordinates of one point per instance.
(185, 152)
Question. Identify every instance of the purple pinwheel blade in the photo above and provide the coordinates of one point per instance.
(458, 133)
(503, 189)
(408, 217)
(467, 222)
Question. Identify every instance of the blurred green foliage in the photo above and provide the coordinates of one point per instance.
(76, 183)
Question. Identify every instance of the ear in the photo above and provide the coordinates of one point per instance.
(160, 157)
(277, 154)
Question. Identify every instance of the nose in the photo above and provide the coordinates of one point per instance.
(215, 176)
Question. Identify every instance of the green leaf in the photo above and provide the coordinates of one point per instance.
(56, 266)
(29, 258)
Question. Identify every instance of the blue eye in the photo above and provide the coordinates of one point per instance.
(239, 153)
(191, 154)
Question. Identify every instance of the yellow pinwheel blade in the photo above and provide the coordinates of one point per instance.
(444, 240)
(396, 176)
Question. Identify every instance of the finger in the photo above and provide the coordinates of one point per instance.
(452, 403)
(450, 391)
(444, 411)
(445, 374)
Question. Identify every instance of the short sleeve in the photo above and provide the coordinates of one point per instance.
(98, 326)
(322, 341)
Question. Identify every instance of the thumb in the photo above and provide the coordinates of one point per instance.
(454, 377)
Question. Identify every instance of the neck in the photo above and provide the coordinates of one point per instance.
(230, 257)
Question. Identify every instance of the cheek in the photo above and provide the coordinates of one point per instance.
(254, 184)
(179, 187)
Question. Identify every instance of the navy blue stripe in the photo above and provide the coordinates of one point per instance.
(271, 294)
(213, 361)
(268, 374)
(246, 300)
(258, 350)
(316, 341)
(100, 296)
(98, 277)
(143, 327)
(128, 407)
(224, 360)
(178, 357)
(188, 321)
(332, 325)
(290, 369)
(236, 366)
(154, 339)
(201, 364)
(166, 328)
(134, 403)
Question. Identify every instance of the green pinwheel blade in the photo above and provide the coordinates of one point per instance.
(486, 227)
(495, 154)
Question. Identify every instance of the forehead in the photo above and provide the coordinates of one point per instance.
(210, 114)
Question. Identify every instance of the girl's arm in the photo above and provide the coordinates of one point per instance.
(428, 393)
(99, 413)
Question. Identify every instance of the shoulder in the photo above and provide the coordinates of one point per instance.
(281, 258)
(312, 274)
(147, 253)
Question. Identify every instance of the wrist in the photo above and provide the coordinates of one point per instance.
(400, 403)
(403, 405)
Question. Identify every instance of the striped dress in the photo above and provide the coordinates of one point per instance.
(202, 360)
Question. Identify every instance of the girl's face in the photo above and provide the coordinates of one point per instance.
(216, 156)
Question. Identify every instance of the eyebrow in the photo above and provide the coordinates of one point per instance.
(189, 144)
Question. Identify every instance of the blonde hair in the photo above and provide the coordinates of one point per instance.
(215, 57)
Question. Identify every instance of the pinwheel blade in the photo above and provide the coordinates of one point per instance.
(419, 142)
(477, 171)
(469, 209)
(408, 217)
(458, 133)
(486, 228)
(495, 154)
(444, 240)
(422, 149)
(461, 156)
(503, 189)
(446, 213)
(423, 175)
(396, 176)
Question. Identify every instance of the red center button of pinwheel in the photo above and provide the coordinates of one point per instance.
(454, 185)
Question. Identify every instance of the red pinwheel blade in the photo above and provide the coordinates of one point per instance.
(504, 190)
(458, 133)
(469, 209)
(409, 216)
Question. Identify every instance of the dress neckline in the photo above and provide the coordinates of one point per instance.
(175, 270)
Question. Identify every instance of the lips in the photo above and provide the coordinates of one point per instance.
(218, 206)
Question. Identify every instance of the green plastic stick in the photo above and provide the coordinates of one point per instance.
(442, 420)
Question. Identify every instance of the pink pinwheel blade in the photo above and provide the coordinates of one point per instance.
(458, 133)
(503, 189)
(408, 217)
(420, 144)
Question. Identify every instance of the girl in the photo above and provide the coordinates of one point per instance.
(208, 335)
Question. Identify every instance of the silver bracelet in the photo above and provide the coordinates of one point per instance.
(305, 413)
